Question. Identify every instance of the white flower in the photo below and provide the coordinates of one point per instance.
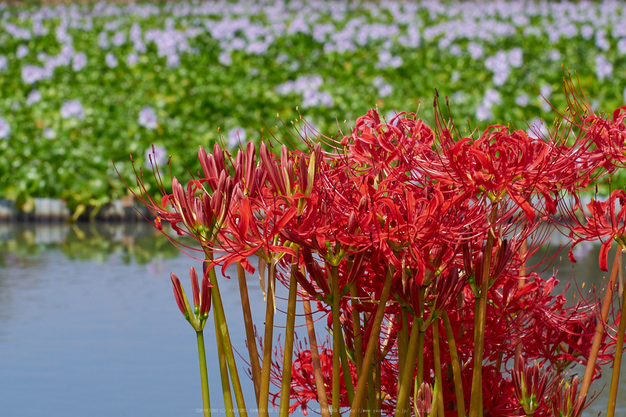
(236, 136)
(33, 97)
(5, 129)
(147, 118)
(79, 61)
(155, 155)
(111, 60)
(72, 108)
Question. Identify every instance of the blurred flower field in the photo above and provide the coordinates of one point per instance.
(82, 86)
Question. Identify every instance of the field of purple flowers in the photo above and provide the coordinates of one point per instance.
(82, 86)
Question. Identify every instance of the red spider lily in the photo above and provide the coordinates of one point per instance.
(565, 401)
(499, 163)
(609, 137)
(379, 144)
(201, 299)
(531, 385)
(253, 230)
(603, 223)
(446, 219)
(424, 402)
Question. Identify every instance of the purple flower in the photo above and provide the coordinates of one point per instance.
(604, 69)
(586, 31)
(236, 136)
(173, 60)
(147, 118)
(111, 60)
(103, 40)
(155, 155)
(21, 52)
(516, 57)
(385, 90)
(4, 62)
(5, 129)
(555, 55)
(475, 50)
(79, 61)
(132, 59)
(537, 129)
(49, 133)
(33, 97)
(31, 74)
(225, 59)
(522, 100)
(118, 39)
(72, 108)
(621, 46)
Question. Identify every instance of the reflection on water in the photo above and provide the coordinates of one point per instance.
(139, 242)
(89, 326)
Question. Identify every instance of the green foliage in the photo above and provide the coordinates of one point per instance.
(46, 155)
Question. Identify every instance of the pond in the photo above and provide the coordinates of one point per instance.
(89, 325)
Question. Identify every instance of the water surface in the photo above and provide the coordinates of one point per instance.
(89, 326)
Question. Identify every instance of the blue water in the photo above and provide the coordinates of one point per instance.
(83, 337)
(89, 325)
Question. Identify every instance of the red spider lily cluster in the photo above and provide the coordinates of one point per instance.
(415, 243)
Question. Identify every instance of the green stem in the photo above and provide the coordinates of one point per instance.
(371, 345)
(456, 366)
(597, 338)
(221, 359)
(336, 342)
(403, 340)
(420, 358)
(480, 321)
(315, 359)
(247, 319)
(371, 395)
(267, 343)
(204, 378)
(285, 390)
(222, 328)
(617, 361)
(347, 376)
(522, 281)
(437, 359)
(403, 407)
(356, 330)
(356, 333)
(377, 383)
